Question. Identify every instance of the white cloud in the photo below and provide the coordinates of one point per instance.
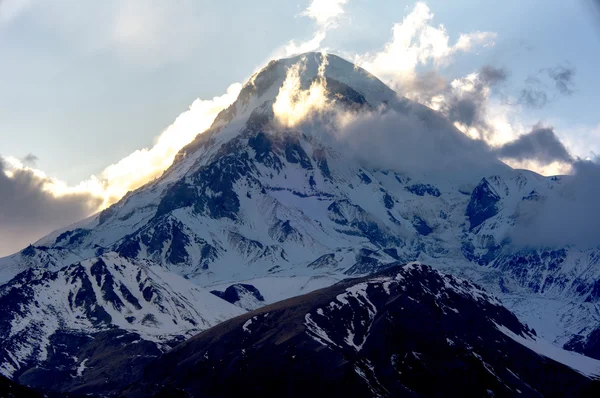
(416, 42)
(312, 45)
(325, 12)
(466, 42)
(146, 164)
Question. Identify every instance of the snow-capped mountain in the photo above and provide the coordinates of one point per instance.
(277, 199)
(409, 331)
(52, 322)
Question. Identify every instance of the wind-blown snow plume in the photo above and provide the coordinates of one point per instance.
(146, 164)
(293, 104)
(143, 165)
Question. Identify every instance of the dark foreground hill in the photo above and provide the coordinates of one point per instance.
(407, 331)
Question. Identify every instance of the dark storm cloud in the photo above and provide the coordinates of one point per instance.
(541, 144)
(27, 210)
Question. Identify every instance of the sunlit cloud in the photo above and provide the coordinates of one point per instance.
(300, 48)
(552, 169)
(326, 14)
(146, 164)
(293, 104)
(416, 42)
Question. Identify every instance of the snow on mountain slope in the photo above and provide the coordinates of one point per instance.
(289, 207)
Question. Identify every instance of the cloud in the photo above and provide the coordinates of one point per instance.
(563, 79)
(30, 209)
(492, 75)
(571, 216)
(30, 159)
(533, 98)
(313, 44)
(535, 94)
(404, 140)
(326, 14)
(413, 141)
(34, 204)
(416, 42)
(541, 145)
(465, 101)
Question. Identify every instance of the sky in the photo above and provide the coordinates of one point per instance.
(97, 97)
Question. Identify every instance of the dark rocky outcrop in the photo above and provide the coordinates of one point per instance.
(483, 204)
(423, 189)
(235, 293)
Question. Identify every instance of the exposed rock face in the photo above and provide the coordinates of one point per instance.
(483, 204)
